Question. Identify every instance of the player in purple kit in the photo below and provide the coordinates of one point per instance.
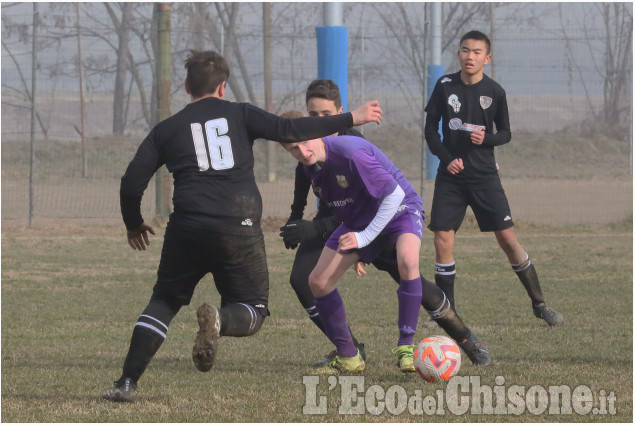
(378, 207)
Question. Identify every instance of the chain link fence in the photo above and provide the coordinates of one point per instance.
(569, 92)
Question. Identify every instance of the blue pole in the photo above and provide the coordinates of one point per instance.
(432, 162)
(332, 46)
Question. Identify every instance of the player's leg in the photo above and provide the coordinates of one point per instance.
(306, 258)
(526, 272)
(449, 205)
(323, 280)
(147, 336)
(239, 268)
(409, 298)
(444, 267)
(493, 214)
(386, 261)
(439, 308)
(178, 273)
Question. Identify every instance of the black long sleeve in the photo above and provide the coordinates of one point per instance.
(433, 139)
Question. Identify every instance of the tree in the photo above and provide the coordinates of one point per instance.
(611, 55)
(122, 29)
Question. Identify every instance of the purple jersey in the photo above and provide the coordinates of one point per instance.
(355, 178)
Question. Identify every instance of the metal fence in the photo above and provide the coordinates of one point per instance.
(565, 165)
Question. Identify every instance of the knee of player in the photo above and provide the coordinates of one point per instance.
(260, 320)
(317, 283)
(443, 240)
(511, 247)
(409, 267)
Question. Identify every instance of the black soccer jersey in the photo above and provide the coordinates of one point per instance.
(462, 109)
(207, 147)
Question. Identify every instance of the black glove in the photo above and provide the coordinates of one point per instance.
(292, 218)
(297, 231)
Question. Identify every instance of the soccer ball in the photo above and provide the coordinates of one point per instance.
(437, 358)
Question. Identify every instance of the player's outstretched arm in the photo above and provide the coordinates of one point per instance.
(138, 237)
(368, 112)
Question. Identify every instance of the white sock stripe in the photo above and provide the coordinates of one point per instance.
(314, 314)
(445, 265)
(156, 320)
(446, 273)
(435, 313)
(253, 314)
(152, 328)
(522, 266)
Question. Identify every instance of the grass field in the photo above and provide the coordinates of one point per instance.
(71, 294)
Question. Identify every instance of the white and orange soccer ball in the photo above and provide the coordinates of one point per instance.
(437, 358)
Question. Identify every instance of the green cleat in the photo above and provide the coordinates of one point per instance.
(343, 366)
(331, 356)
(405, 358)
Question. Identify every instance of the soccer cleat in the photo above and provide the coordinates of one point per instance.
(548, 314)
(330, 356)
(123, 390)
(343, 366)
(206, 342)
(429, 324)
(405, 357)
(475, 350)
(326, 360)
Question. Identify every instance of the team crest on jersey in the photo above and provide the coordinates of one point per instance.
(485, 102)
(455, 123)
(341, 180)
(453, 101)
(446, 80)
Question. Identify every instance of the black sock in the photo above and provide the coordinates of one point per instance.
(315, 318)
(444, 278)
(143, 346)
(526, 272)
(240, 319)
(449, 321)
(355, 341)
(148, 335)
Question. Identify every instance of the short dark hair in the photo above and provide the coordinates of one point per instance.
(477, 35)
(205, 71)
(324, 89)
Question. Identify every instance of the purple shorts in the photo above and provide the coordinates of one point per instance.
(408, 221)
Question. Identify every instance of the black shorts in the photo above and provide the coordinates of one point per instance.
(237, 263)
(450, 202)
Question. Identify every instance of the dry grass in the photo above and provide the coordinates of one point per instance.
(71, 294)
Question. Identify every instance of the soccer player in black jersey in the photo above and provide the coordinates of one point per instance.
(469, 103)
(215, 226)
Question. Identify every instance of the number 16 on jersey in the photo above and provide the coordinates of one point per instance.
(218, 144)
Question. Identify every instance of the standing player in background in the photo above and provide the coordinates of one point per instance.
(469, 103)
(378, 207)
(215, 226)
